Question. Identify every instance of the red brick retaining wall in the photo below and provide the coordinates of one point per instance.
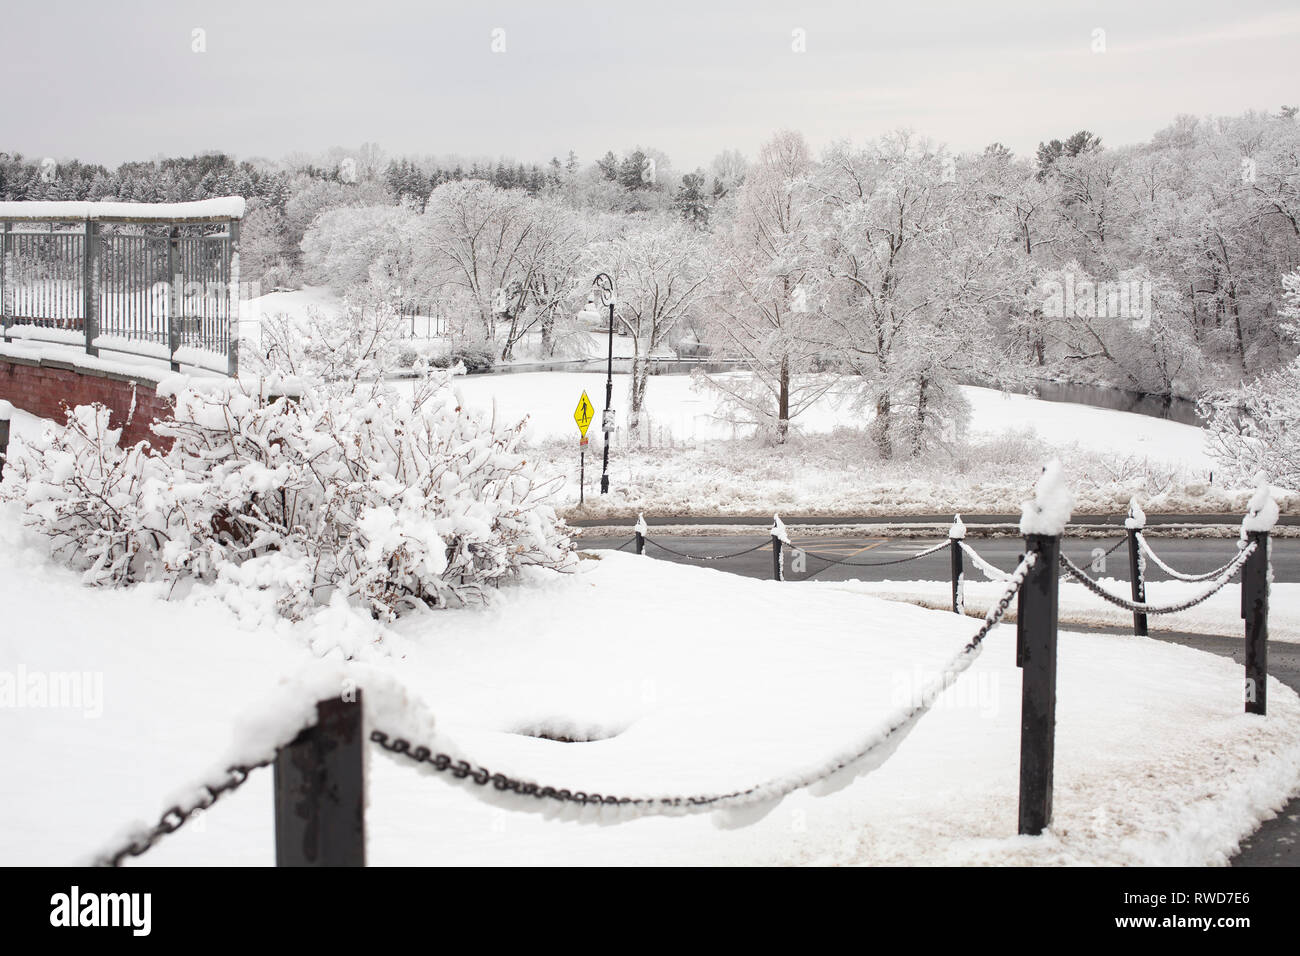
(48, 389)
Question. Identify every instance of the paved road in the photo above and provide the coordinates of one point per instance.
(1275, 843)
(1190, 555)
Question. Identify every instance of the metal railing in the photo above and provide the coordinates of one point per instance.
(152, 282)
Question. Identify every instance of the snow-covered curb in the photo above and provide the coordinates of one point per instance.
(1220, 615)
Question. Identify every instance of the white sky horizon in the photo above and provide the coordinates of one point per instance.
(108, 84)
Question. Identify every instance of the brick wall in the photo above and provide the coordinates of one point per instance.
(49, 389)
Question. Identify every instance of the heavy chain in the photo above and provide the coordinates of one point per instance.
(876, 564)
(1015, 580)
(482, 776)
(1115, 547)
(706, 557)
(174, 817)
(990, 571)
(1207, 576)
(1229, 571)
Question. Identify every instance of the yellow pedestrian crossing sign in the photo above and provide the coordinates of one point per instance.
(583, 414)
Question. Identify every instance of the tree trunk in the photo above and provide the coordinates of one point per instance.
(918, 437)
(548, 335)
(1236, 320)
(880, 427)
(636, 395)
(783, 403)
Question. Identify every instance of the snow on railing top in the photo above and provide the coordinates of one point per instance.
(778, 530)
(6, 411)
(203, 210)
(1049, 510)
(1137, 518)
(1262, 511)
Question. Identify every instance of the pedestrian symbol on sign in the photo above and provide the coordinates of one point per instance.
(583, 414)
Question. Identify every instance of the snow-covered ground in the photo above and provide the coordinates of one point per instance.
(691, 462)
(681, 679)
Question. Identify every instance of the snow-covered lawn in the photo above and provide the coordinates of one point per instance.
(683, 679)
(691, 460)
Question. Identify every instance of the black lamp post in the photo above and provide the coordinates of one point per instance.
(604, 288)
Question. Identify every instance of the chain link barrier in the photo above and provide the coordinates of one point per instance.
(1178, 575)
(990, 571)
(236, 776)
(174, 817)
(1074, 571)
(848, 562)
(482, 776)
(708, 557)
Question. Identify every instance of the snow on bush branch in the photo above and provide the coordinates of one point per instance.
(396, 501)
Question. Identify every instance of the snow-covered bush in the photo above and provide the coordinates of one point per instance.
(397, 500)
(367, 339)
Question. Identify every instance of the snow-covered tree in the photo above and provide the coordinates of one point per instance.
(477, 239)
(1256, 427)
(660, 271)
(765, 306)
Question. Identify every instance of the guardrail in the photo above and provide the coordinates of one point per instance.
(152, 280)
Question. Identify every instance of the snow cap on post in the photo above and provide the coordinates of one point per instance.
(1262, 512)
(958, 530)
(1049, 510)
(1137, 518)
(778, 530)
(6, 411)
(640, 526)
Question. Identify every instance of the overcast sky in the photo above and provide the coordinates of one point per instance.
(107, 82)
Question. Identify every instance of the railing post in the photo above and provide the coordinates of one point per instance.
(174, 299)
(6, 412)
(1134, 524)
(232, 339)
(640, 531)
(1254, 611)
(320, 790)
(90, 286)
(779, 537)
(956, 535)
(6, 300)
(1036, 655)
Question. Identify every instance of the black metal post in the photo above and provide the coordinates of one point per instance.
(1138, 581)
(232, 339)
(174, 301)
(958, 577)
(1036, 655)
(777, 570)
(6, 311)
(582, 475)
(1254, 610)
(640, 543)
(609, 397)
(320, 791)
